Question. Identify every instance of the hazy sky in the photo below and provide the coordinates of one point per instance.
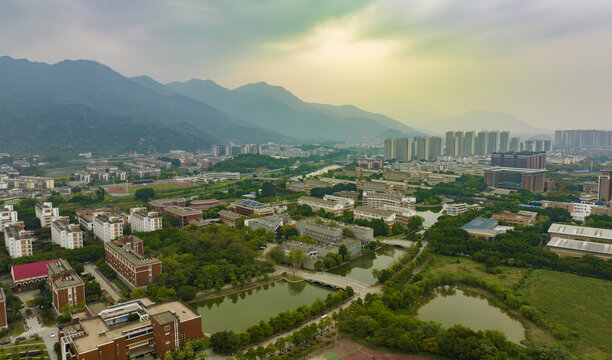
(548, 62)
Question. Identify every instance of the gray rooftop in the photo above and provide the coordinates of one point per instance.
(571, 230)
(131, 255)
(373, 211)
(585, 246)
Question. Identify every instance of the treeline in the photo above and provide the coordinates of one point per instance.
(245, 163)
(598, 221)
(385, 274)
(322, 191)
(515, 248)
(204, 258)
(226, 342)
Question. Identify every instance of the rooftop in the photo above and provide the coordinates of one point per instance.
(586, 246)
(373, 211)
(31, 270)
(518, 170)
(604, 234)
(182, 211)
(131, 255)
(250, 203)
(480, 223)
(318, 201)
(96, 307)
(58, 267)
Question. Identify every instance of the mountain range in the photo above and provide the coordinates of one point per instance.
(78, 106)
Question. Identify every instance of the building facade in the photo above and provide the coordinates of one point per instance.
(8, 216)
(369, 214)
(524, 159)
(515, 178)
(66, 235)
(337, 208)
(67, 288)
(142, 220)
(524, 218)
(17, 240)
(604, 186)
(107, 228)
(247, 207)
(126, 257)
(46, 213)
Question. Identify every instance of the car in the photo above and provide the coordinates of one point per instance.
(52, 335)
(21, 338)
(5, 342)
(33, 335)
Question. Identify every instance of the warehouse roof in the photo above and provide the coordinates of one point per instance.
(578, 231)
(583, 246)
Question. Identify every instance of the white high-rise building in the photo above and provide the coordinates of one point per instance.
(107, 228)
(17, 240)
(46, 213)
(143, 221)
(65, 234)
(8, 215)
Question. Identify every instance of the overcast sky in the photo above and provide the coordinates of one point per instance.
(548, 62)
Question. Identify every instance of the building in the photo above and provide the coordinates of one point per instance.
(435, 147)
(504, 141)
(183, 214)
(159, 204)
(126, 257)
(583, 138)
(567, 206)
(515, 178)
(378, 200)
(134, 329)
(469, 143)
(17, 240)
(248, 207)
(369, 214)
(577, 248)
(46, 213)
(85, 217)
(403, 149)
(142, 220)
(27, 276)
(390, 151)
(337, 208)
(604, 186)
(383, 186)
(601, 210)
(268, 223)
(492, 142)
(310, 184)
(580, 233)
(8, 216)
(524, 218)
(524, 159)
(107, 227)
(347, 203)
(459, 209)
(402, 214)
(65, 234)
(204, 204)
(222, 176)
(484, 227)
(66, 286)
(229, 217)
(3, 318)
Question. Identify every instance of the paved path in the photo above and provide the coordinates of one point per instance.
(105, 284)
(399, 242)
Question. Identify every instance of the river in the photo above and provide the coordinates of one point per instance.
(454, 306)
(361, 268)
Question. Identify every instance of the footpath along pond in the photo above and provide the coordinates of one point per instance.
(451, 306)
(237, 312)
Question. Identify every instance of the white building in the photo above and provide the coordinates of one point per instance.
(378, 200)
(582, 210)
(66, 235)
(8, 216)
(107, 228)
(46, 213)
(18, 241)
(349, 204)
(328, 206)
(402, 214)
(143, 221)
(369, 214)
(459, 209)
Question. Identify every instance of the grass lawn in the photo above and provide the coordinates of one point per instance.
(463, 266)
(579, 303)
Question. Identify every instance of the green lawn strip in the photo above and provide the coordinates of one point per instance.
(463, 266)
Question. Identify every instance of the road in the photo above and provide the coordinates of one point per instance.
(105, 284)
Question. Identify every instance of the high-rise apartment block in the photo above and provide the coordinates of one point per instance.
(8, 216)
(65, 234)
(583, 138)
(46, 213)
(142, 220)
(525, 159)
(17, 240)
(604, 186)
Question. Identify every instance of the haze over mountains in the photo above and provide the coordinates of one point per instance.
(76, 106)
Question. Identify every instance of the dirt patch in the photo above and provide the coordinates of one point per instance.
(345, 349)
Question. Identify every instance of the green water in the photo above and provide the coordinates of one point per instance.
(454, 306)
(239, 311)
(361, 269)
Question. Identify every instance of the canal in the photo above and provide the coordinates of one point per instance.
(361, 269)
(239, 311)
(452, 306)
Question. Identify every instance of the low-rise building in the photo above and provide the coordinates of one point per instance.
(65, 234)
(601, 210)
(347, 203)
(524, 218)
(382, 186)
(229, 217)
(107, 227)
(580, 232)
(142, 220)
(17, 240)
(310, 184)
(3, 318)
(67, 288)
(126, 257)
(27, 276)
(337, 208)
(85, 217)
(378, 200)
(248, 207)
(8, 215)
(402, 214)
(204, 204)
(159, 204)
(268, 223)
(46, 213)
(134, 329)
(487, 228)
(459, 209)
(369, 214)
(183, 214)
(578, 248)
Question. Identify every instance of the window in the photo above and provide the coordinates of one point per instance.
(167, 328)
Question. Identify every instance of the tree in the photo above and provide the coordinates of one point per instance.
(144, 194)
(277, 254)
(296, 257)
(187, 292)
(225, 342)
(397, 229)
(344, 253)
(415, 223)
(268, 189)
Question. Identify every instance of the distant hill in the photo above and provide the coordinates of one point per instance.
(486, 120)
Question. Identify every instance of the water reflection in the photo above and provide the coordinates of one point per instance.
(361, 269)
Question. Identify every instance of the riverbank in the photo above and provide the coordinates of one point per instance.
(232, 290)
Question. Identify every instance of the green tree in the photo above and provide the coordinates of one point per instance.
(296, 257)
(144, 194)
(225, 342)
(344, 253)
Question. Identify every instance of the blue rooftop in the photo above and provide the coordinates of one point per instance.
(250, 203)
(480, 223)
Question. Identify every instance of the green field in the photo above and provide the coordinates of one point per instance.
(579, 303)
(463, 266)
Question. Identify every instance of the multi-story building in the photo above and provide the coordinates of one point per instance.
(337, 208)
(484, 227)
(17, 240)
(134, 329)
(67, 288)
(204, 204)
(334, 234)
(65, 234)
(126, 257)
(3, 318)
(524, 218)
(515, 178)
(46, 213)
(469, 143)
(525, 159)
(604, 186)
(369, 214)
(229, 217)
(107, 227)
(504, 141)
(403, 149)
(268, 223)
(515, 144)
(378, 200)
(481, 143)
(85, 217)
(580, 232)
(8, 215)
(435, 147)
(576, 248)
(583, 138)
(402, 214)
(390, 149)
(384, 186)
(142, 220)
(492, 142)
(422, 148)
(347, 203)
(27, 276)
(459, 209)
(249, 207)
(183, 214)
(159, 204)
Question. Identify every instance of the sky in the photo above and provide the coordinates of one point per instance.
(547, 62)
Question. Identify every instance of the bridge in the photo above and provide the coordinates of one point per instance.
(399, 242)
(331, 280)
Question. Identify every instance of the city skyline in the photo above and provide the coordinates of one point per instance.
(544, 62)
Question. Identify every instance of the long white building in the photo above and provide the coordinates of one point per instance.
(65, 234)
(46, 213)
(107, 228)
(143, 221)
(8, 215)
(369, 214)
(378, 200)
(17, 240)
(336, 208)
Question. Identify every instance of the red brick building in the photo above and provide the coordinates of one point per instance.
(183, 214)
(159, 204)
(3, 319)
(126, 257)
(27, 276)
(135, 329)
(524, 159)
(248, 207)
(204, 204)
(66, 286)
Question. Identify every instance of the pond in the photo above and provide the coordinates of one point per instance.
(452, 306)
(239, 311)
(361, 269)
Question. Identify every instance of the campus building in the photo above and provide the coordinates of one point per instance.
(204, 204)
(337, 208)
(268, 223)
(248, 207)
(515, 178)
(578, 248)
(580, 232)
(66, 235)
(378, 200)
(459, 209)
(85, 217)
(126, 257)
(17, 240)
(142, 220)
(183, 214)
(523, 159)
(347, 203)
(66, 286)
(485, 227)
(229, 217)
(107, 227)
(604, 186)
(134, 329)
(27, 276)
(159, 204)
(3, 318)
(524, 218)
(381, 186)
(46, 213)
(8, 215)
(369, 214)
